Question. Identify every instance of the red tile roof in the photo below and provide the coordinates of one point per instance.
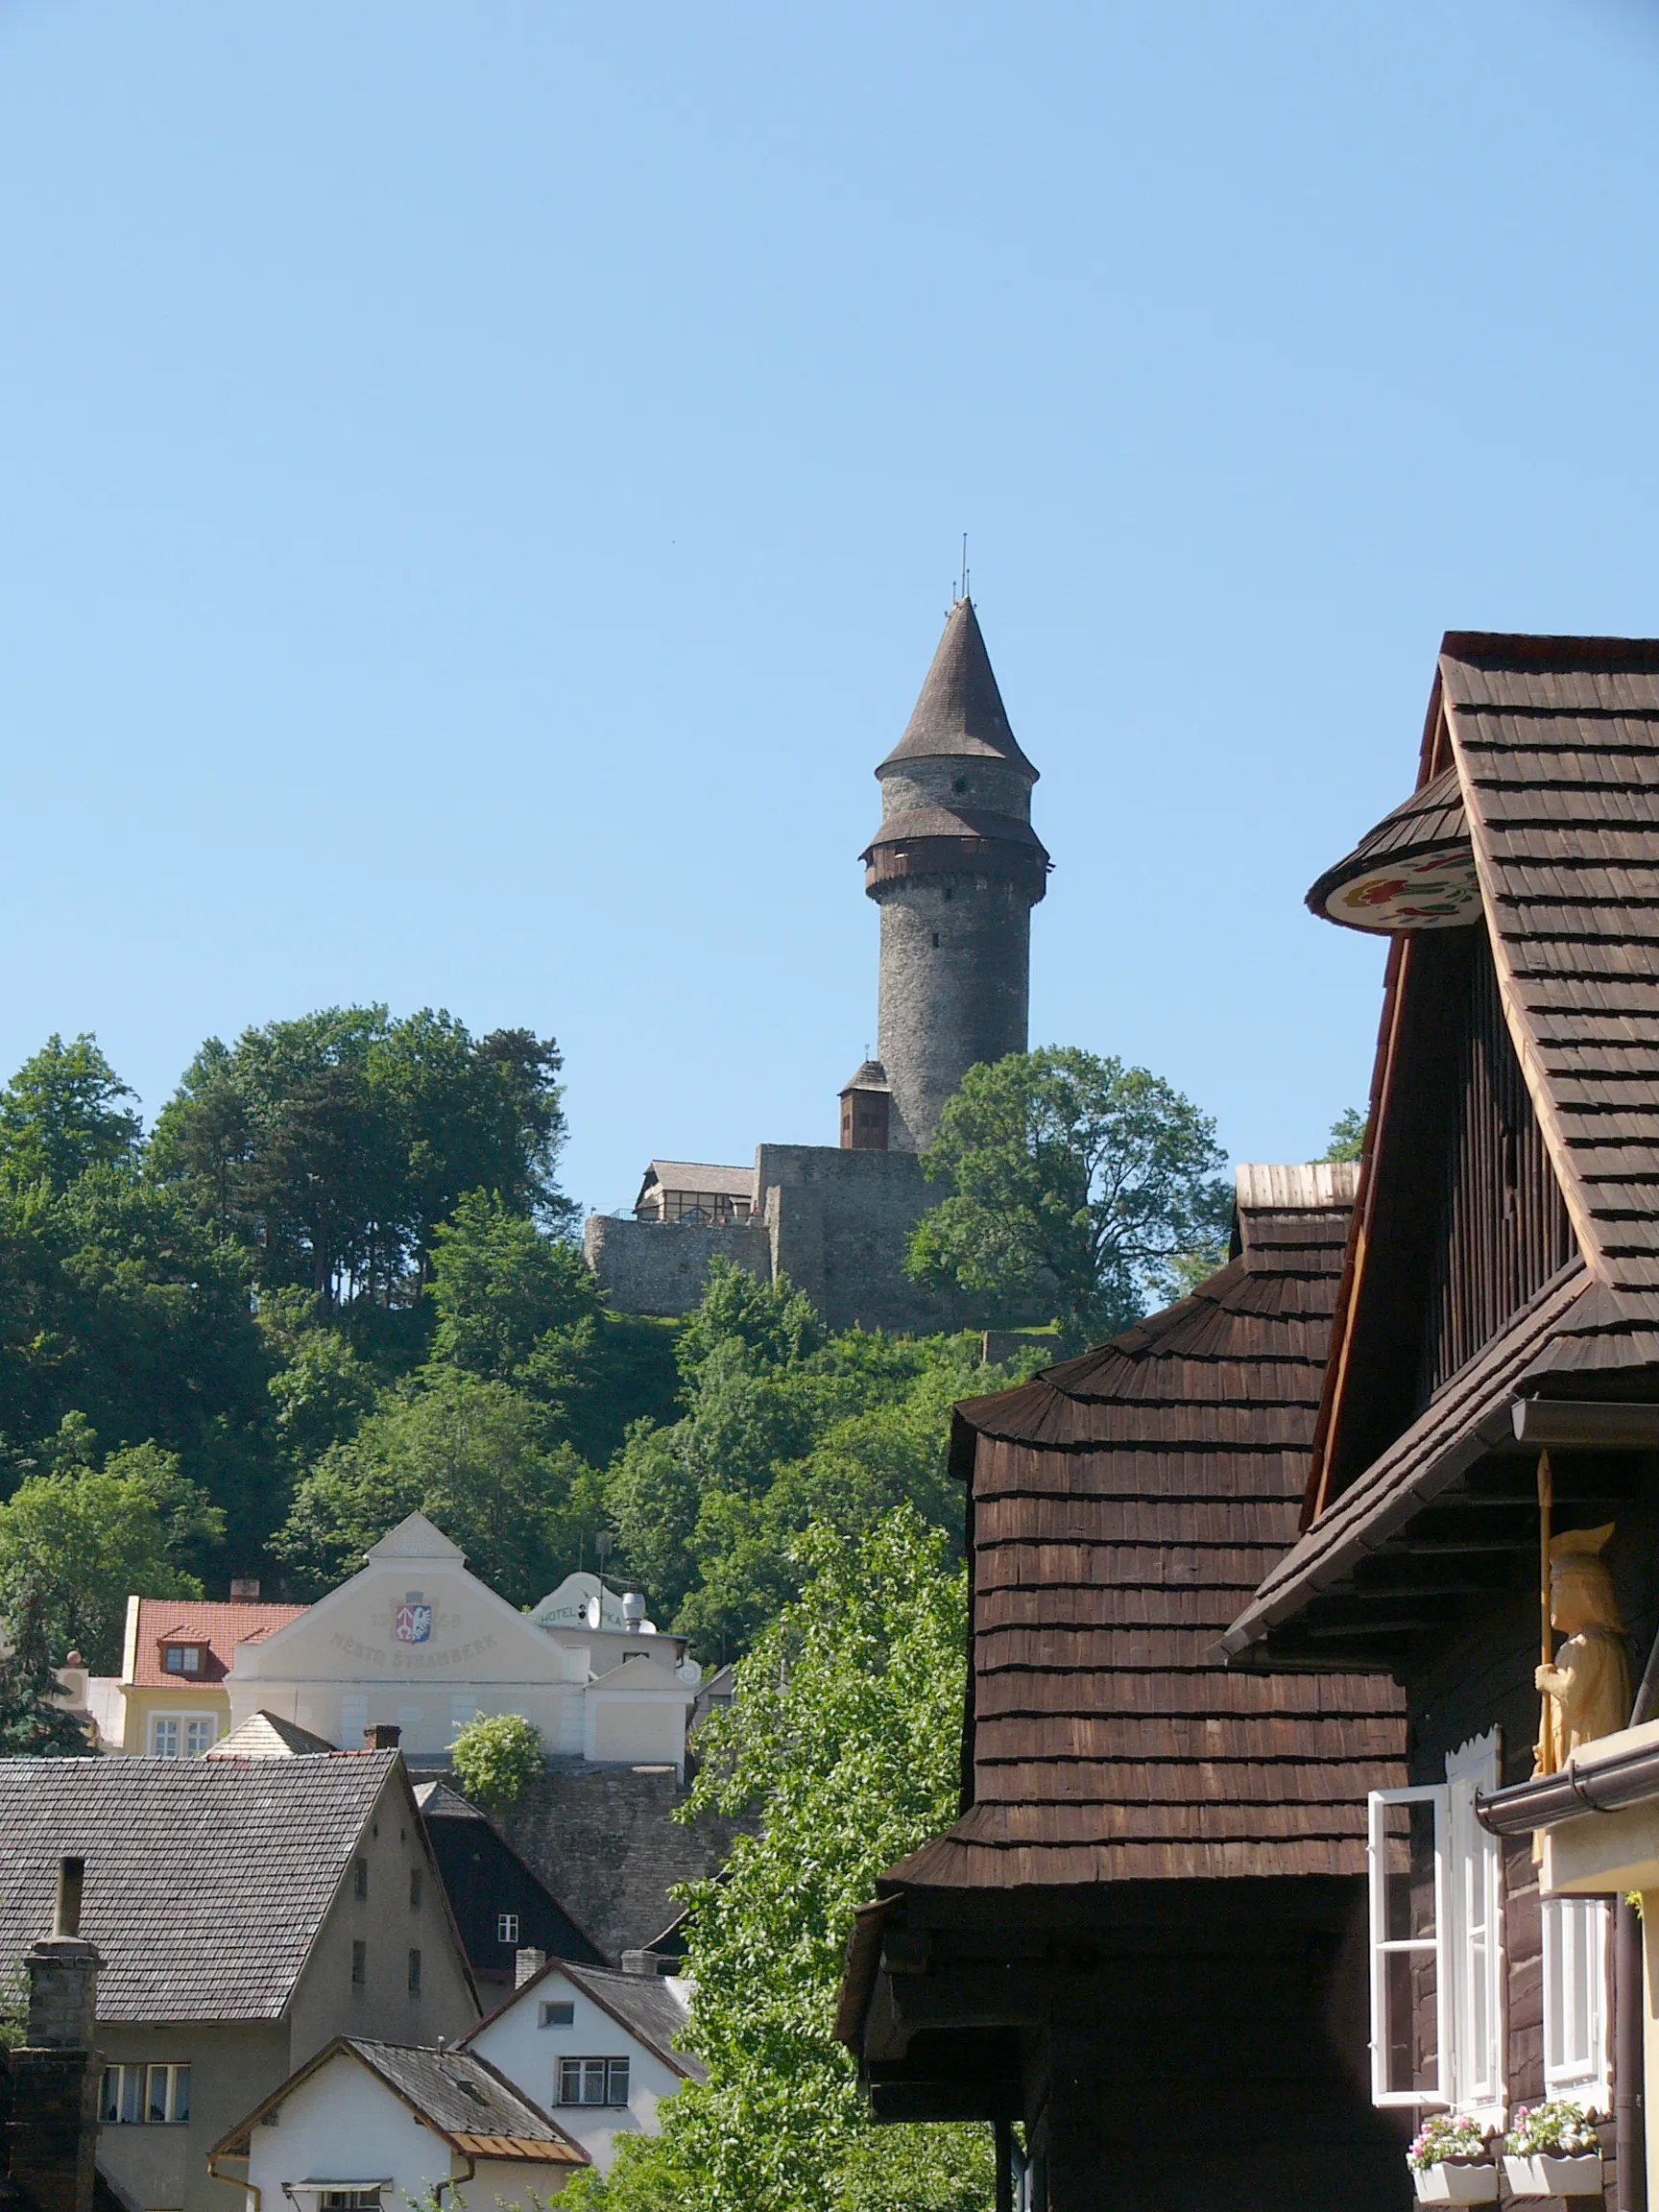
(199, 1621)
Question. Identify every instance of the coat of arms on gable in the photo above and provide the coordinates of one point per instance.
(412, 1622)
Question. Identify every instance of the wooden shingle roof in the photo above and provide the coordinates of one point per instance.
(1123, 1508)
(1556, 745)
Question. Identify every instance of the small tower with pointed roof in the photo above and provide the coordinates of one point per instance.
(955, 869)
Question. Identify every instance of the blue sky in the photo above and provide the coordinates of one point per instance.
(481, 487)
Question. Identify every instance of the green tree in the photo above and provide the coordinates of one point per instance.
(500, 1286)
(280, 1144)
(1076, 1182)
(75, 1544)
(322, 1387)
(333, 1146)
(844, 1741)
(484, 1114)
(497, 1758)
(59, 1117)
(472, 1454)
(32, 1724)
(1347, 1135)
(517, 1305)
(117, 1305)
(783, 1425)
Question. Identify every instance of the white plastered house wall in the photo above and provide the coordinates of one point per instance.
(516, 2043)
(416, 1641)
(343, 2127)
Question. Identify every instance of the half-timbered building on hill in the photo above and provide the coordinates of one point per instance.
(1145, 1938)
(1485, 1475)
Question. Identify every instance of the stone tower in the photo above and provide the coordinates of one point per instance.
(955, 869)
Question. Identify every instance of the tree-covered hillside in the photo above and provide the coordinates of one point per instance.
(338, 1281)
(335, 1283)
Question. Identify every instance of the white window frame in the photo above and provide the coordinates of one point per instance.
(1384, 1946)
(182, 1725)
(1475, 1932)
(133, 2086)
(1574, 1934)
(507, 1927)
(614, 2073)
(1467, 1943)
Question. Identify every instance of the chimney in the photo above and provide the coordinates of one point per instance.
(527, 1964)
(55, 2076)
(641, 1963)
(245, 1586)
(633, 1612)
(382, 1736)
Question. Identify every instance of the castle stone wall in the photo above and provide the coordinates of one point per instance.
(660, 1266)
(606, 1843)
(839, 1225)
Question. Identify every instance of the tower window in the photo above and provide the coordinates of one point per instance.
(948, 892)
(935, 940)
(960, 784)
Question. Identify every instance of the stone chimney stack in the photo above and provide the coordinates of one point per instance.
(382, 1736)
(527, 1964)
(54, 2076)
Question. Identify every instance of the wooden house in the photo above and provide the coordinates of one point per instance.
(1145, 1938)
(1493, 1388)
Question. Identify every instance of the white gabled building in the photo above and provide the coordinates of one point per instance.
(415, 1641)
(369, 2126)
(599, 2050)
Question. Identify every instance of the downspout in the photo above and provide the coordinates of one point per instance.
(249, 2189)
(1629, 2134)
(455, 2181)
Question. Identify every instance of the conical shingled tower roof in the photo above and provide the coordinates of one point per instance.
(960, 715)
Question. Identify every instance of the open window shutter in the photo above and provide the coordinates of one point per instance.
(1576, 2010)
(1410, 1985)
(1475, 1936)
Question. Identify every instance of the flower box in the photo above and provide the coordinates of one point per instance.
(1457, 2181)
(1553, 2174)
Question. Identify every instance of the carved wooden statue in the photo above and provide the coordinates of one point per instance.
(1587, 1690)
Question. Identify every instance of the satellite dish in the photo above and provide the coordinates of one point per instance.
(591, 1613)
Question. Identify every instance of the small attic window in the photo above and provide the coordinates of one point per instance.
(182, 1658)
(559, 2015)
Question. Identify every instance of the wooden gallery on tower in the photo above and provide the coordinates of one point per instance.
(1310, 1799)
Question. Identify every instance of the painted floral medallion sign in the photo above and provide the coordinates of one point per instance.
(1437, 891)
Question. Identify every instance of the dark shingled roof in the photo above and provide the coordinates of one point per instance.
(1554, 742)
(960, 715)
(1460, 1424)
(1124, 1506)
(912, 823)
(1433, 820)
(207, 1879)
(460, 2095)
(868, 1075)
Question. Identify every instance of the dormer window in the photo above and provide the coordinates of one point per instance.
(184, 1658)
